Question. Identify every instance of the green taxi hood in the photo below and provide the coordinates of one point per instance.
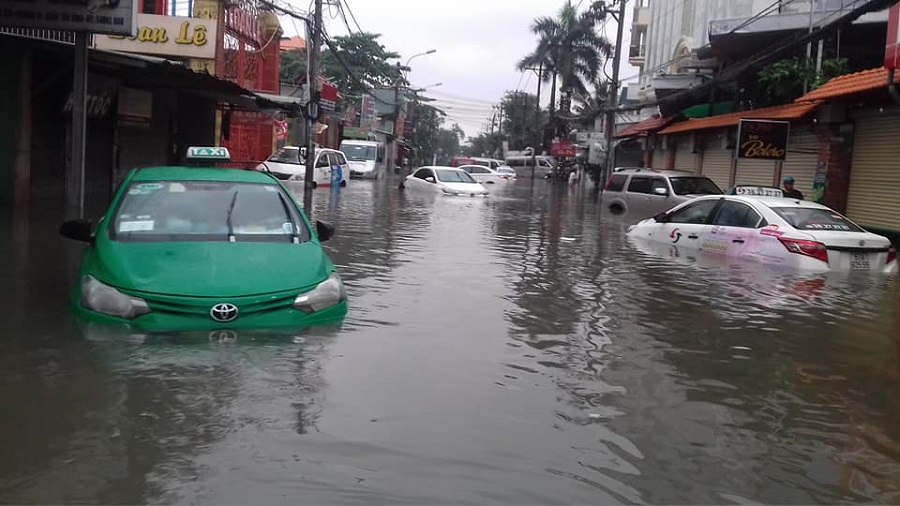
(208, 269)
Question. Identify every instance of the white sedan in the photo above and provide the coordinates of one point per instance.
(772, 230)
(484, 175)
(443, 180)
(506, 170)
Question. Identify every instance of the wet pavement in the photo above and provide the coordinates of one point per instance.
(516, 349)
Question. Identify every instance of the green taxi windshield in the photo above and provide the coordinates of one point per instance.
(205, 211)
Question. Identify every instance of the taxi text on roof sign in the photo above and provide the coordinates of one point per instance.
(208, 153)
(756, 191)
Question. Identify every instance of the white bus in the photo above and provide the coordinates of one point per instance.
(366, 158)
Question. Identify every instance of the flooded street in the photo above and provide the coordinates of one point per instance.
(516, 349)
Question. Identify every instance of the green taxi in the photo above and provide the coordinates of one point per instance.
(205, 248)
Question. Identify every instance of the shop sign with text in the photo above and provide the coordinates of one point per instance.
(95, 16)
(166, 36)
(763, 139)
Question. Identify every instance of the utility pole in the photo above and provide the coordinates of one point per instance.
(613, 94)
(312, 82)
(537, 122)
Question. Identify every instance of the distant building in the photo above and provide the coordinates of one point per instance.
(293, 43)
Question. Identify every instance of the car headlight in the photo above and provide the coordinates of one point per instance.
(328, 293)
(107, 300)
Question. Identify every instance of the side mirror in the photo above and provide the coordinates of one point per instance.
(303, 152)
(78, 230)
(661, 218)
(661, 191)
(324, 230)
(429, 179)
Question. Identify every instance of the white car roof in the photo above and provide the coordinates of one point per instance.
(475, 165)
(777, 201)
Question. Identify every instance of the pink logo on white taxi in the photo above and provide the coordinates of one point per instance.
(771, 230)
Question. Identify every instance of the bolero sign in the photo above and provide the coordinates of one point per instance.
(166, 36)
(761, 139)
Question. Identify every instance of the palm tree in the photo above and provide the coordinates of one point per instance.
(569, 47)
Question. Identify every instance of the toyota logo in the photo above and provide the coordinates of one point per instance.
(224, 312)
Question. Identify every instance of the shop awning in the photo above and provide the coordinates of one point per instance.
(778, 112)
(851, 84)
(645, 127)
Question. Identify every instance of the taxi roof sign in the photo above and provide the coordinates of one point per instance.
(212, 153)
(756, 191)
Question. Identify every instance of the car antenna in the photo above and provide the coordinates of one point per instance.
(228, 217)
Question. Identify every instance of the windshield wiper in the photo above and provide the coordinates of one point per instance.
(228, 217)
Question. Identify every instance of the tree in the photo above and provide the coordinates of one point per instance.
(783, 81)
(570, 48)
(520, 125)
(485, 144)
(363, 55)
(447, 144)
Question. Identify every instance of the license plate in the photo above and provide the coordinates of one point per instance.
(859, 262)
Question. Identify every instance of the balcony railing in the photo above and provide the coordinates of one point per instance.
(41, 33)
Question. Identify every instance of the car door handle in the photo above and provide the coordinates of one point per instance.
(693, 236)
(739, 241)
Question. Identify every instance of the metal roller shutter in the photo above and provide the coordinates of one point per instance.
(660, 157)
(801, 160)
(875, 174)
(684, 159)
(754, 172)
(716, 165)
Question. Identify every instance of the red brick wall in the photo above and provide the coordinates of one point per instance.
(836, 150)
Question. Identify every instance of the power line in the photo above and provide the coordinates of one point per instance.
(352, 16)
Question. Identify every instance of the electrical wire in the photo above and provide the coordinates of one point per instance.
(353, 17)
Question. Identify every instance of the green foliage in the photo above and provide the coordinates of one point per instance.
(569, 46)
(362, 53)
(447, 144)
(485, 144)
(783, 81)
(520, 125)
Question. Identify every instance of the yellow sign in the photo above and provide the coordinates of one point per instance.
(166, 36)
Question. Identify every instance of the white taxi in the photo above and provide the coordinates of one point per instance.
(775, 230)
(288, 164)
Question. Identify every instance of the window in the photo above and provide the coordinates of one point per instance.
(359, 153)
(478, 170)
(808, 218)
(424, 173)
(736, 214)
(453, 176)
(657, 183)
(338, 159)
(694, 186)
(616, 183)
(286, 155)
(697, 213)
(322, 160)
(640, 184)
(205, 211)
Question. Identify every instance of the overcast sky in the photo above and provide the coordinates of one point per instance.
(478, 43)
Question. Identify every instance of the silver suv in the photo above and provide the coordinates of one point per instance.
(643, 193)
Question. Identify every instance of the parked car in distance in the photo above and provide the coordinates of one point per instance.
(484, 175)
(288, 163)
(772, 230)
(204, 248)
(507, 171)
(444, 181)
(643, 193)
(522, 165)
(459, 161)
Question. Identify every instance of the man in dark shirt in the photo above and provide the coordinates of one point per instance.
(789, 190)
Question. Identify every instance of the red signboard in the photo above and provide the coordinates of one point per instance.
(892, 43)
(562, 149)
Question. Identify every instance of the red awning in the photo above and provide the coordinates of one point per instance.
(782, 112)
(645, 127)
(851, 84)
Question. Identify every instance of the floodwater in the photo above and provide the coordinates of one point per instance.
(515, 350)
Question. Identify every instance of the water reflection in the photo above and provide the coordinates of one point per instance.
(516, 349)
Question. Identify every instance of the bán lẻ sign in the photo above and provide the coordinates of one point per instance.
(177, 36)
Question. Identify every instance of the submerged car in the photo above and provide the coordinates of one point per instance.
(643, 193)
(444, 181)
(190, 248)
(772, 230)
(288, 163)
(484, 175)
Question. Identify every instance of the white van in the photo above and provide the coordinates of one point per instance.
(289, 165)
(366, 158)
(522, 165)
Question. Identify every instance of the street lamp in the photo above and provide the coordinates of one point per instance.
(400, 71)
(423, 88)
